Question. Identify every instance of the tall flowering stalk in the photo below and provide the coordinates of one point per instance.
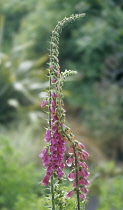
(57, 133)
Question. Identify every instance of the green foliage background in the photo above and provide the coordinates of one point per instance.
(94, 47)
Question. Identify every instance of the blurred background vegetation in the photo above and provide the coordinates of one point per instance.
(93, 99)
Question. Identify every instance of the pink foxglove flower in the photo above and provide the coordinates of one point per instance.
(83, 164)
(69, 195)
(45, 157)
(45, 180)
(49, 171)
(53, 80)
(52, 109)
(53, 103)
(70, 151)
(83, 182)
(84, 190)
(71, 176)
(44, 103)
(81, 145)
(84, 173)
(69, 161)
(43, 153)
(54, 95)
(48, 136)
(60, 173)
(85, 153)
(83, 197)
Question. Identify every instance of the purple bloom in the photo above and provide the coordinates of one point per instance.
(48, 136)
(44, 103)
(84, 173)
(54, 117)
(54, 95)
(45, 180)
(83, 164)
(85, 153)
(53, 80)
(60, 173)
(53, 103)
(62, 165)
(81, 145)
(69, 161)
(71, 176)
(69, 195)
(49, 171)
(45, 157)
(52, 109)
(70, 151)
(81, 196)
(83, 182)
(84, 190)
(43, 153)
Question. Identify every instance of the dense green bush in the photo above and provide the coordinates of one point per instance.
(17, 182)
(111, 194)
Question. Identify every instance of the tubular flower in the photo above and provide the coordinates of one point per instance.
(44, 103)
(46, 180)
(69, 195)
(47, 136)
(71, 176)
(69, 161)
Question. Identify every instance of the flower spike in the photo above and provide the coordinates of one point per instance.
(58, 133)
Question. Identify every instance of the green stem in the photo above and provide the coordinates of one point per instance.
(52, 178)
(52, 193)
(77, 186)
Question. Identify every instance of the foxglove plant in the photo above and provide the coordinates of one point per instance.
(57, 133)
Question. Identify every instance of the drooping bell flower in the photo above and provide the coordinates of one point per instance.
(71, 176)
(84, 190)
(53, 103)
(54, 95)
(44, 103)
(83, 197)
(52, 109)
(70, 151)
(83, 181)
(45, 180)
(48, 136)
(69, 161)
(69, 194)
(53, 80)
